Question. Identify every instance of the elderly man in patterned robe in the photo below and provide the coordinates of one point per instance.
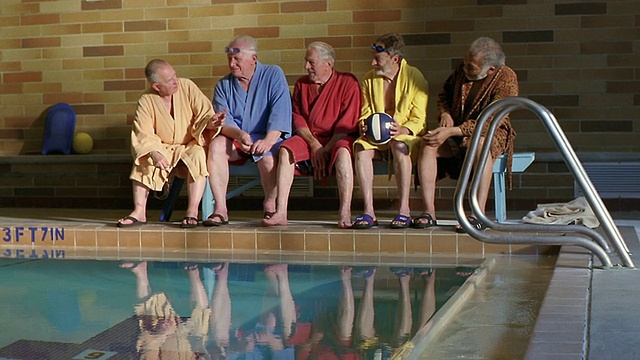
(481, 79)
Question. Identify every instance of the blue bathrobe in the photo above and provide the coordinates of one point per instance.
(266, 107)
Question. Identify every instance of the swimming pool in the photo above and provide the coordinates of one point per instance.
(89, 309)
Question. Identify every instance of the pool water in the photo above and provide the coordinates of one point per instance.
(87, 309)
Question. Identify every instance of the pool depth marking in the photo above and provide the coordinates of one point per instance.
(32, 233)
(33, 254)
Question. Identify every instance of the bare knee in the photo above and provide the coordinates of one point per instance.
(285, 155)
(218, 145)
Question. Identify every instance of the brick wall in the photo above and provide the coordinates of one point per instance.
(578, 58)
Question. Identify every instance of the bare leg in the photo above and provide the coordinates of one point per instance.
(268, 179)
(402, 169)
(403, 321)
(143, 289)
(287, 305)
(270, 298)
(140, 196)
(428, 174)
(346, 306)
(428, 302)
(286, 168)
(218, 156)
(278, 277)
(195, 189)
(364, 172)
(365, 316)
(485, 179)
(344, 177)
(198, 294)
(221, 306)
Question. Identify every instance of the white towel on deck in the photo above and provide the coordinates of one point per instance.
(576, 212)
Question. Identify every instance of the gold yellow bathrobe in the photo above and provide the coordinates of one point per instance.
(181, 137)
(411, 96)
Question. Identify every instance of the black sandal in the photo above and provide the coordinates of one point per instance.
(418, 224)
(474, 222)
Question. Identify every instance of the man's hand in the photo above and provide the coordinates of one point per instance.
(245, 143)
(396, 129)
(263, 146)
(159, 160)
(438, 136)
(319, 161)
(446, 120)
(260, 147)
(217, 120)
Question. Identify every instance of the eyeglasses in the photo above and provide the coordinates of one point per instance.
(379, 48)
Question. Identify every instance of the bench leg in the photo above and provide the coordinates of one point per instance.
(208, 203)
(500, 198)
(170, 202)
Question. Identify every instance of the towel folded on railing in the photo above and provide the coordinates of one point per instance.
(575, 212)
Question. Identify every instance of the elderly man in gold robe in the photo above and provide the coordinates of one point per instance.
(173, 122)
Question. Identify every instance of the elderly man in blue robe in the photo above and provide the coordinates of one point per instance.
(257, 102)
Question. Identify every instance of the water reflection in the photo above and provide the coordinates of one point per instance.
(335, 317)
(163, 333)
(164, 310)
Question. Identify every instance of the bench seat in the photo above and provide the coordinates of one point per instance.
(521, 162)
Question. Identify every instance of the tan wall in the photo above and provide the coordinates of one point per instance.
(580, 59)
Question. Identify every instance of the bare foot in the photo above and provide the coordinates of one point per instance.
(345, 222)
(276, 268)
(345, 272)
(220, 268)
(277, 219)
(135, 267)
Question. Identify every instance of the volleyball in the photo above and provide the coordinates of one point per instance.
(378, 128)
(82, 143)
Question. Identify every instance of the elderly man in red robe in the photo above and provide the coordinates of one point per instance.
(326, 107)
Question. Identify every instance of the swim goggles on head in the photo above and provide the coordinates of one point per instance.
(232, 50)
(235, 50)
(379, 48)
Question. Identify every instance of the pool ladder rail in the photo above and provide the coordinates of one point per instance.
(538, 234)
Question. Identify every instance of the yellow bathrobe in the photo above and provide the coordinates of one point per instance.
(411, 96)
(178, 138)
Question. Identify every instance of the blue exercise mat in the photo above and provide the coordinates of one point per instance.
(59, 129)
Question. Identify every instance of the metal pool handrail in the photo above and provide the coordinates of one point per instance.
(597, 245)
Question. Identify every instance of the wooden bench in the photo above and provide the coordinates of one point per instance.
(521, 162)
(249, 169)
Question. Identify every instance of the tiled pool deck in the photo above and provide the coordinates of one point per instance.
(583, 307)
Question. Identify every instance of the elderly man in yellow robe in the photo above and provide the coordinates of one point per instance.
(173, 122)
(399, 90)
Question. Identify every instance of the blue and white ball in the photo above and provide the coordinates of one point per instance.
(378, 128)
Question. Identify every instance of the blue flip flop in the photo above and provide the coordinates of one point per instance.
(364, 271)
(364, 221)
(400, 271)
(401, 222)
